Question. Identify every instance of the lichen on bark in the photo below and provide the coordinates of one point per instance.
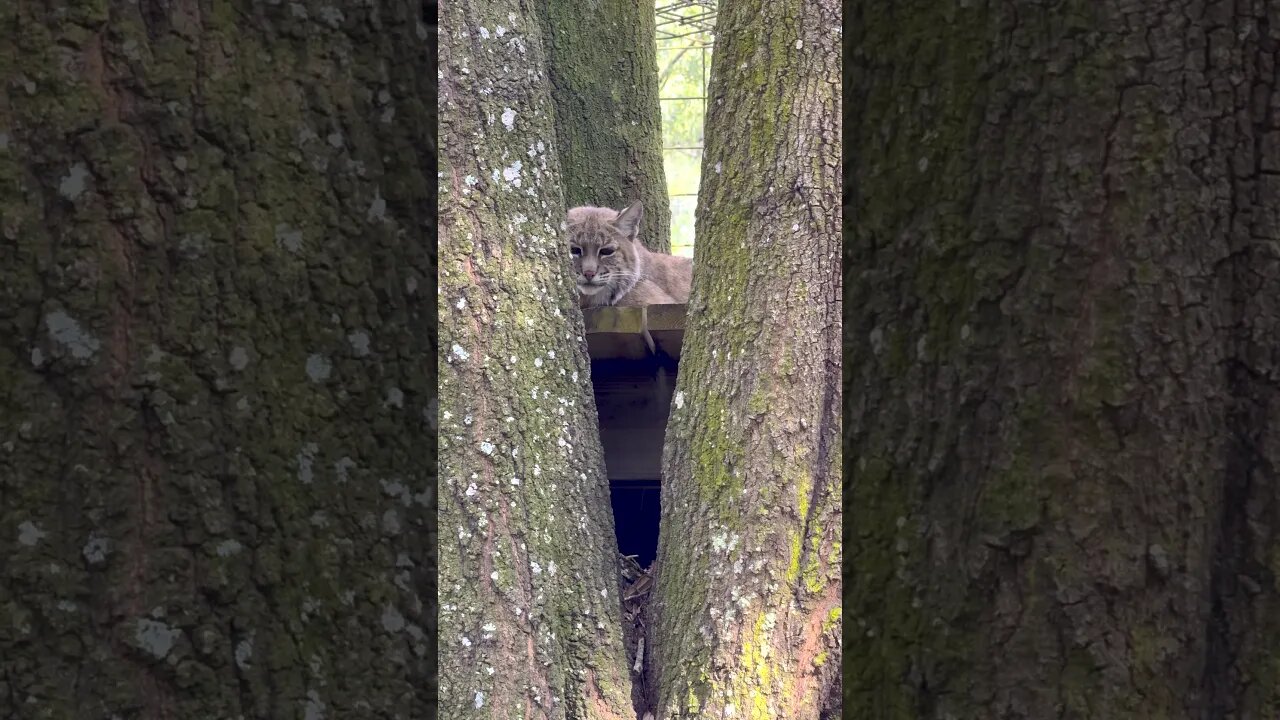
(1056, 282)
(749, 558)
(602, 64)
(214, 388)
(529, 607)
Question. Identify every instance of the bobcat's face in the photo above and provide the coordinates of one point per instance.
(603, 246)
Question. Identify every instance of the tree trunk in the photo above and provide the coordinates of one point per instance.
(529, 606)
(602, 60)
(747, 607)
(213, 394)
(1062, 366)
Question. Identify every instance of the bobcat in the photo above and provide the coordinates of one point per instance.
(611, 267)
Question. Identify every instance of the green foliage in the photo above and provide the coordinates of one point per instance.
(684, 68)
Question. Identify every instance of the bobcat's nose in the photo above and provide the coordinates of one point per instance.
(588, 274)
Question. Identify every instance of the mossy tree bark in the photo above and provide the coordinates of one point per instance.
(747, 608)
(214, 373)
(529, 606)
(602, 60)
(1064, 299)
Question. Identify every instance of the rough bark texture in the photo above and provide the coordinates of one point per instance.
(213, 371)
(1064, 299)
(603, 66)
(529, 606)
(747, 608)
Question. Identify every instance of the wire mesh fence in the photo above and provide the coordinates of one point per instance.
(685, 38)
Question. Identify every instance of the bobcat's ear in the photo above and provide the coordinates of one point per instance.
(628, 221)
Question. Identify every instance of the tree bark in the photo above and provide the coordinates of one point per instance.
(747, 605)
(529, 606)
(213, 394)
(1064, 295)
(602, 60)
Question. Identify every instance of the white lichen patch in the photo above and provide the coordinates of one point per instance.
(459, 353)
(314, 709)
(228, 547)
(239, 358)
(29, 533)
(96, 549)
(359, 341)
(332, 15)
(679, 400)
(155, 637)
(391, 522)
(876, 337)
(397, 489)
(244, 651)
(73, 184)
(512, 173)
(289, 238)
(508, 118)
(65, 331)
(395, 398)
(306, 458)
(377, 211)
(343, 467)
(318, 367)
(392, 620)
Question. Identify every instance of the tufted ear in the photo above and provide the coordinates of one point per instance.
(628, 221)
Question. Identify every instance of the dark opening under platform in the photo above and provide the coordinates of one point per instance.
(635, 353)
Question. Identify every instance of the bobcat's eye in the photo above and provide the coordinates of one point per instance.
(575, 251)
(606, 252)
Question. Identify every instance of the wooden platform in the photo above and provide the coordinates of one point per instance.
(634, 333)
(635, 354)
